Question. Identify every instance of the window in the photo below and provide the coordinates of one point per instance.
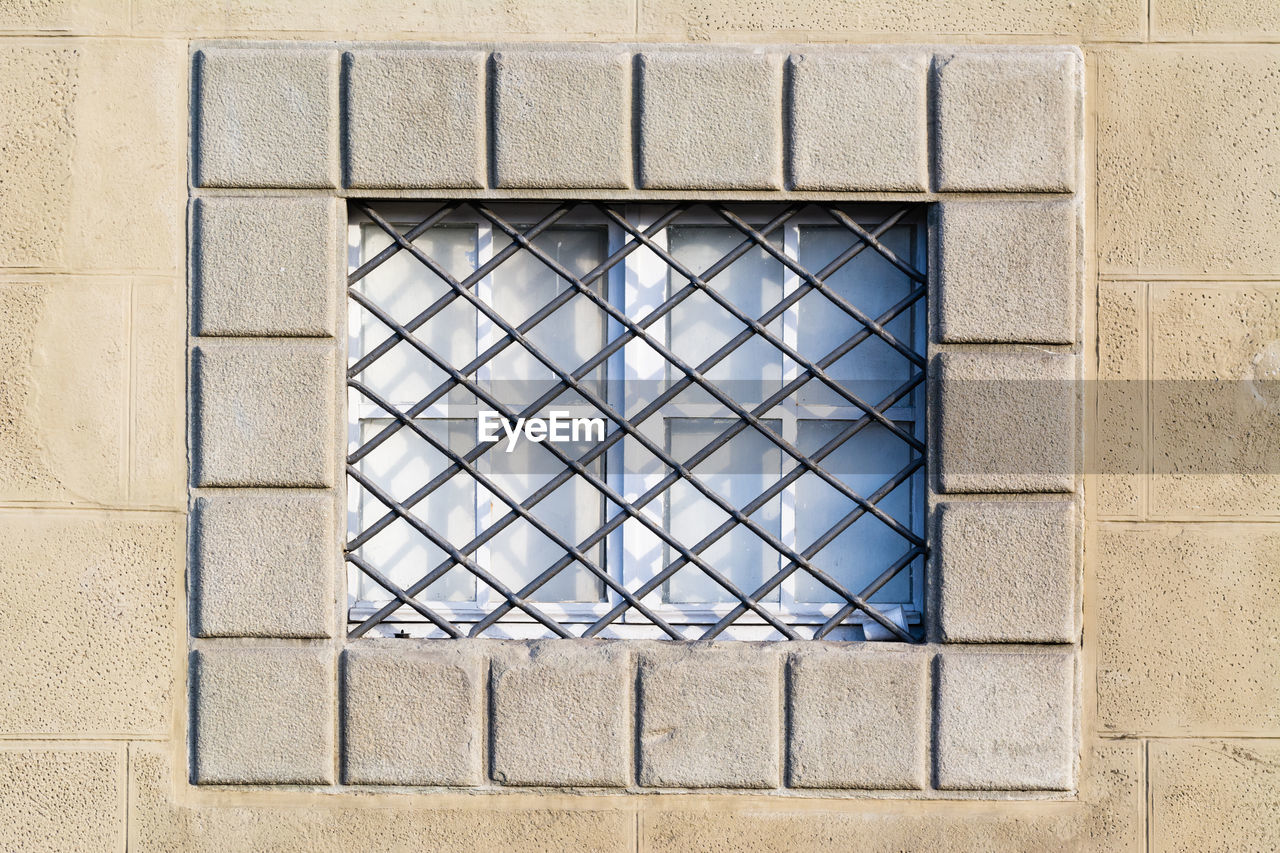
(684, 420)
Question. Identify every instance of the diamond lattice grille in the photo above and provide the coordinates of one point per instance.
(739, 399)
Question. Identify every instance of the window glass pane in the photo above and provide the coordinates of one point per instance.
(402, 287)
(524, 284)
(698, 326)
(873, 285)
(738, 472)
(858, 555)
(400, 466)
(574, 510)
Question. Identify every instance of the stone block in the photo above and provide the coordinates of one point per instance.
(128, 187)
(65, 393)
(59, 798)
(1005, 721)
(1223, 20)
(264, 415)
(1215, 794)
(1215, 400)
(158, 473)
(482, 20)
(1007, 120)
(1008, 272)
(264, 565)
(412, 715)
(266, 266)
(1007, 571)
(710, 120)
(1188, 155)
(786, 20)
(709, 716)
(859, 121)
(91, 635)
(415, 118)
(87, 17)
(266, 117)
(38, 87)
(1181, 613)
(1119, 453)
(95, 141)
(858, 718)
(562, 119)
(263, 716)
(561, 714)
(1008, 421)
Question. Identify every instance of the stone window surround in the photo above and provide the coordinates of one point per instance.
(988, 706)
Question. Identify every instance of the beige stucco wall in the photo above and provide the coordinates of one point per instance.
(1182, 628)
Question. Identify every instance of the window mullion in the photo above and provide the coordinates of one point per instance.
(486, 336)
(788, 411)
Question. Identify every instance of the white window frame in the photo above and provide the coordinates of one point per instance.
(638, 283)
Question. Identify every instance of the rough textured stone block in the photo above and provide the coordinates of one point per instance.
(65, 389)
(732, 20)
(415, 118)
(709, 716)
(859, 121)
(482, 20)
(1007, 120)
(1193, 191)
(1007, 571)
(1214, 354)
(1008, 272)
(1120, 450)
(264, 415)
(1005, 721)
(267, 118)
(1221, 20)
(95, 140)
(128, 184)
(90, 16)
(263, 716)
(562, 714)
(412, 715)
(858, 718)
(37, 89)
(1181, 611)
(91, 637)
(562, 119)
(130, 158)
(1215, 794)
(56, 799)
(710, 120)
(264, 565)
(1008, 421)
(158, 473)
(266, 266)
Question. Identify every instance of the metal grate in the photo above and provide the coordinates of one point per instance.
(604, 347)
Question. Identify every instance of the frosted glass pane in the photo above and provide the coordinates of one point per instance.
(574, 510)
(737, 472)
(572, 334)
(866, 548)
(869, 283)
(400, 466)
(698, 326)
(402, 287)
